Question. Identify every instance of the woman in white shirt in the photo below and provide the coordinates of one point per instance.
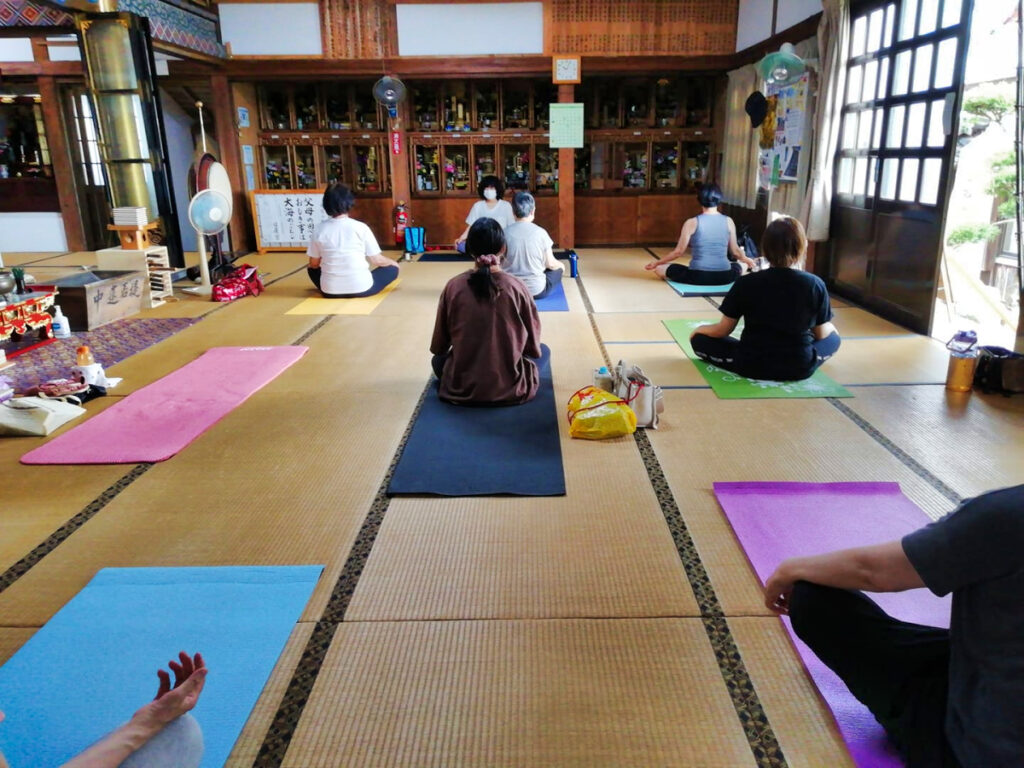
(342, 250)
(489, 206)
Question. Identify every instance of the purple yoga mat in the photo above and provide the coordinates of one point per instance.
(157, 421)
(774, 521)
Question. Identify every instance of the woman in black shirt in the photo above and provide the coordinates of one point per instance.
(787, 331)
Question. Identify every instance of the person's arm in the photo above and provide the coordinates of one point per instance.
(719, 330)
(734, 246)
(689, 227)
(462, 238)
(531, 319)
(877, 568)
(550, 262)
(473, 216)
(169, 704)
(823, 331)
(313, 252)
(441, 341)
(380, 260)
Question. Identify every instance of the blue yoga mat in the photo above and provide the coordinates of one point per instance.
(686, 289)
(455, 256)
(458, 450)
(554, 301)
(94, 663)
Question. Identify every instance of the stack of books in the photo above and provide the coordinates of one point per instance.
(130, 217)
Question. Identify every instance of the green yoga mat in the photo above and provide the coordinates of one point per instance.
(732, 386)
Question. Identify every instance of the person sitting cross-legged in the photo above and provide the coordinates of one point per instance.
(528, 253)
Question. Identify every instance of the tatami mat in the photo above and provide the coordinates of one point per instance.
(802, 723)
(703, 440)
(973, 442)
(888, 360)
(11, 639)
(648, 326)
(852, 321)
(616, 281)
(665, 364)
(557, 693)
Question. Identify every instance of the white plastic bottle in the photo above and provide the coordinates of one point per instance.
(61, 329)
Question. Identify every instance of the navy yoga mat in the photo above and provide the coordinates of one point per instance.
(458, 450)
(94, 663)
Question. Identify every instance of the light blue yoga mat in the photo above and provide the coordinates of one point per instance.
(94, 663)
(686, 289)
(554, 301)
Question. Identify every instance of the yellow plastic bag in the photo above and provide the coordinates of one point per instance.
(595, 414)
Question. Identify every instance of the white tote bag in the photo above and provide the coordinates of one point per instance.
(643, 396)
(35, 416)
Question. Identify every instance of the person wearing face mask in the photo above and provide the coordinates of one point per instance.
(490, 206)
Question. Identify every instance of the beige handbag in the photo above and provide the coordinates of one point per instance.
(27, 416)
(643, 395)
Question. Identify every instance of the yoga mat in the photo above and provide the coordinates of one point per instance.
(318, 305)
(459, 450)
(731, 386)
(774, 521)
(688, 289)
(157, 421)
(554, 301)
(94, 663)
(452, 255)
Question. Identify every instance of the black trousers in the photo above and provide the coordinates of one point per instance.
(899, 671)
(729, 353)
(382, 278)
(680, 273)
(552, 277)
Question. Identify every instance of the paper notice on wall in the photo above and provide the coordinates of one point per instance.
(790, 115)
(566, 125)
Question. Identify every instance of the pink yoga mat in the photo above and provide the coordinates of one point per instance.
(774, 521)
(155, 422)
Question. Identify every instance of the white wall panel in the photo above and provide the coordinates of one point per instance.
(32, 232)
(754, 23)
(271, 29)
(794, 11)
(15, 49)
(470, 29)
(64, 52)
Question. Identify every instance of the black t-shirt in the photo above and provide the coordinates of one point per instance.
(779, 307)
(977, 553)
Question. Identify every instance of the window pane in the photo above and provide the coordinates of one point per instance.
(872, 165)
(908, 15)
(864, 132)
(870, 81)
(929, 10)
(883, 78)
(890, 20)
(850, 130)
(922, 68)
(908, 181)
(936, 133)
(857, 38)
(944, 65)
(894, 139)
(853, 84)
(845, 175)
(951, 12)
(890, 166)
(875, 23)
(930, 174)
(876, 139)
(860, 168)
(901, 73)
(915, 124)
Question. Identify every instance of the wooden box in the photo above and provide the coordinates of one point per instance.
(95, 298)
(153, 260)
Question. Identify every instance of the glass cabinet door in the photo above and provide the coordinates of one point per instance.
(485, 96)
(547, 169)
(277, 167)
(307, 111)
(636, 102)
(695, 169)
(425, 100)
(336, 102)
(369, 172)
(517, 166)
(515, 110)
(484, 163)
(544, 95)
(666, 103)
(633, 159)
(365, 111)
(427, 168)
(582, 167)
(275, 114)
(305, 166)
(698, 103)
(335, 164)
(456, 107)
(666, 165)
(606, 94)
(601, 176)
(456, 168)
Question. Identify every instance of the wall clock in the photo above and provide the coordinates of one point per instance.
(565, 69)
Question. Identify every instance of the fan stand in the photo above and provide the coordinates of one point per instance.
(204, 288)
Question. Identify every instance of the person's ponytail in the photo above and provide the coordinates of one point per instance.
(484, 243)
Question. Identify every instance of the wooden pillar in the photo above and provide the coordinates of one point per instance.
(60, 158)
(223, 108)
(566, 182)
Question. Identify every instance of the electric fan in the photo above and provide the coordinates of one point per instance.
(389, 91)
(782, 67)
(208, 213)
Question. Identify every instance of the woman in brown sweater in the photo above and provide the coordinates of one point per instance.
(486, 342)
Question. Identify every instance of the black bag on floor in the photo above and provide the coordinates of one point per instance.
(999, 370)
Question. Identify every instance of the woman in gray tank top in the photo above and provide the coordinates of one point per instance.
(711, 237)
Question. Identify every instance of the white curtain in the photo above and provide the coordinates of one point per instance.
(738, 177)
(833, 43)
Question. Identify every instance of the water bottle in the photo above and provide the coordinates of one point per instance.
(574, 269)
(603, 379)
(59, 324)
(963, 357)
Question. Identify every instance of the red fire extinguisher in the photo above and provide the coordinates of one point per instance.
(401, 222)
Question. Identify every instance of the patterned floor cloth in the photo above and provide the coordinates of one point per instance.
(110, 344)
